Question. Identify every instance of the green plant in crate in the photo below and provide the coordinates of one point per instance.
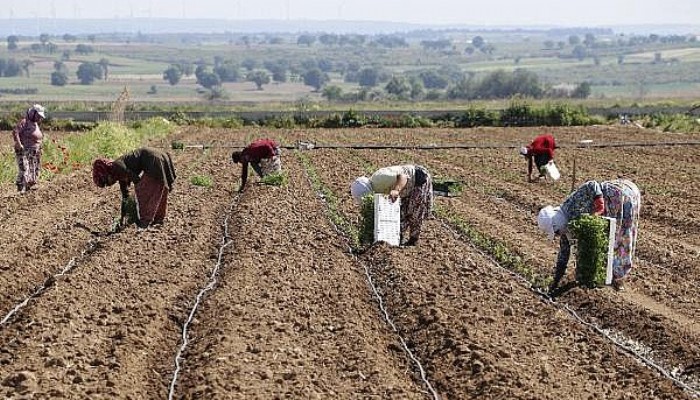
(276, 179)
(202, 180)
(591, 233)
(367, 220)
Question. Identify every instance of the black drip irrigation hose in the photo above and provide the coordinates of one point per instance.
(622, 347)
(213, 280)
(385, 313)
(370, 146)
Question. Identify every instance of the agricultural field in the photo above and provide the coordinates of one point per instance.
(264, 294)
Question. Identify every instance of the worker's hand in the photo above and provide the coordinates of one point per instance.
(393, 195)
(19, 147)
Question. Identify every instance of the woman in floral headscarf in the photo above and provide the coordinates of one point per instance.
(152, 173)
(619, 199)
(28, 137)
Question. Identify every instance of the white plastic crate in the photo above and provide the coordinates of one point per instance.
(387, 220)
(611, 249)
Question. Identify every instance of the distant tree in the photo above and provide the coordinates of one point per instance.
(44, 38)
(582, 91)
(469, 50)
(11, 68)
(59, 78)
(657, 58)
(417, 88)
(620, 59)
(332, 93)
(12, 42)
(259, 77)
(278, 69)
(579, 52)
(561, 44)
(68, 38)
(65, 56)
(51, 48)
(206, 78)
(306, 40)
(315, 78)
(88, 72)
(549, 44)
(574, 40)
(432, 80)
(368, 77)
(187, 68)
(478, 42)
(228, 71)
(173, 75)
(91, 38)
(589, 40)
(84, 49)
(328, 39)
(325, 64)
(399, 87)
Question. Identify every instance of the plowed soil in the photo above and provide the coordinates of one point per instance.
(292, 312)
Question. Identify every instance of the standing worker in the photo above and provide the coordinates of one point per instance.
(152, 173)
(541, 151)
(412, 183)
(619, 199)
(28, 137)
(263, 155)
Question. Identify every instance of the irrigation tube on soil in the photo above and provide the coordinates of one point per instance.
(213, 280)
(380, 301)
(619, 343)
(48, 282)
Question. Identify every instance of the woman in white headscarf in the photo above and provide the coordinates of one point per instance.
(412, 183)
(28, 137)
(619, 199)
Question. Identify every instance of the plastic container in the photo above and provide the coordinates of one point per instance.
(552, 171)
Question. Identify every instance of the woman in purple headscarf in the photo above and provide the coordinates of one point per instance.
(28, 137)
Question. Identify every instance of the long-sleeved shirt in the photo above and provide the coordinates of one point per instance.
(253, 153)
(28, 134)
(542, 144)
(152, 162)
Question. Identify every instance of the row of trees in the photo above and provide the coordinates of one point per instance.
(87, 73)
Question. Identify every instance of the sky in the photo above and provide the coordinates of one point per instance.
(433, 12)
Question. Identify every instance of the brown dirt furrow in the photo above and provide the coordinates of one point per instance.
(482, 335)
(109, 329)
(292, 316)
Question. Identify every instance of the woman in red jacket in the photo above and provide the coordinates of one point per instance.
(263, 155)
(541, 151)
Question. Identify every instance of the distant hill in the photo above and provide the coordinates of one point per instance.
(34, 27)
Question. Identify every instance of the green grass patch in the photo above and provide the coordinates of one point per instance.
(366, 229)
(591, 236)
(276, 179)
(202, 180)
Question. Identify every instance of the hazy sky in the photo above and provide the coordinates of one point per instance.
(484, 12)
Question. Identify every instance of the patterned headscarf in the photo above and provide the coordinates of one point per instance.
(101, 171)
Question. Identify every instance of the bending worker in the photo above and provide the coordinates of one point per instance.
(412, 183)
(541, 151)
(263, 155)
(619, 199)
(152, 173)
